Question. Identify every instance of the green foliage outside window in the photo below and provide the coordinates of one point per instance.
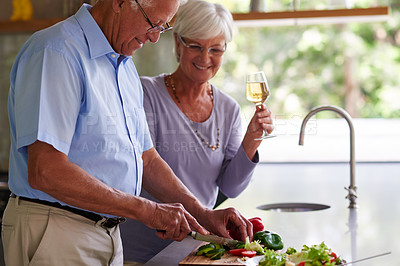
(312, 65)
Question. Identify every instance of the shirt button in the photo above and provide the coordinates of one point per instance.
(113, 55)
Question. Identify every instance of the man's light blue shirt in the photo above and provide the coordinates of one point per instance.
(71, 90)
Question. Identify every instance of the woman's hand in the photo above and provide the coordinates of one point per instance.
(261, 120)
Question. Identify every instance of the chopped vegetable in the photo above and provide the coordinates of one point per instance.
(212, 251)
(249, 253)
(240, 244)
(254, 246)
(314, 255)
(218, 246)
(215, 254)
(204, 249)
(237, 251)
(272, 258)
(290, 251)
(333, 256)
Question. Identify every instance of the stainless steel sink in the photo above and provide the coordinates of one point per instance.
(293, 207)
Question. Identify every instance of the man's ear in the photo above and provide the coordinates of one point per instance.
(176, 39)
(117, 4)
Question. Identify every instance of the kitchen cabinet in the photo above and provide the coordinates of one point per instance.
(7, 27)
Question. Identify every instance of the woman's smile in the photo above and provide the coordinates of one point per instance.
(201, 67)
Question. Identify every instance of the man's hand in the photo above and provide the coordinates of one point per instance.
(172, 221)
(220, 221)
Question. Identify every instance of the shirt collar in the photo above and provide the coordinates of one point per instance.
(97, 41)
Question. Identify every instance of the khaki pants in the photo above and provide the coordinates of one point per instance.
(40, 235)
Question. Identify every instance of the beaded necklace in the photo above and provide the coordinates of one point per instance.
(169, 81)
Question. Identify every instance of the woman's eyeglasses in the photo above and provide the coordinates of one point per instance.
(198, 49)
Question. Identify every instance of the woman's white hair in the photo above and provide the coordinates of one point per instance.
(198, 19)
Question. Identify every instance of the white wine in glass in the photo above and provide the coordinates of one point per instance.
(257, 92)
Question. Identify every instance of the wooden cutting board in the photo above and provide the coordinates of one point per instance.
(226, 259)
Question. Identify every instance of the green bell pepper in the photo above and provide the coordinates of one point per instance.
(204, 249)
(215, 254)
(269, 240)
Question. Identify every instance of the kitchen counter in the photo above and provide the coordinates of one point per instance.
(371, 229)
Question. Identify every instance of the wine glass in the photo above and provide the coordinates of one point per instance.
(257, 92)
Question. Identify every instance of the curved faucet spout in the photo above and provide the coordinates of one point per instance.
(352, 189)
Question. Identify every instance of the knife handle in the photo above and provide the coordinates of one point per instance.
(163, 231)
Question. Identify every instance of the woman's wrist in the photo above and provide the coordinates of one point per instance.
(250, 146)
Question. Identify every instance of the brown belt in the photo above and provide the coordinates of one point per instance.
(107, 223)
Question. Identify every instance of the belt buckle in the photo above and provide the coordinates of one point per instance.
(111, 222)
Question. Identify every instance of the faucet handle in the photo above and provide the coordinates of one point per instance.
(352, 196)
(352, 192)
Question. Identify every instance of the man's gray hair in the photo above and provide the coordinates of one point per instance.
(149, 3)
(198, 19)
(143, 4)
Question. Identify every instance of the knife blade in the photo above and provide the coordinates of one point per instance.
(367, 258)
(214, 239)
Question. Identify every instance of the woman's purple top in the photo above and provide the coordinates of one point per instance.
(202, 170)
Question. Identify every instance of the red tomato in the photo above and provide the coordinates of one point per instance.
(333, 255)
(257, 224)
(249, 253)
(301, 264)
(237, 252)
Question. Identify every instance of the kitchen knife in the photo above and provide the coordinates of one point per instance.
(214, 239)
(367, 258)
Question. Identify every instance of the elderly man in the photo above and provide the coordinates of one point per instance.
(80, 145)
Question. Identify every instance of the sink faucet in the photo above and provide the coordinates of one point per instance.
(352, 189)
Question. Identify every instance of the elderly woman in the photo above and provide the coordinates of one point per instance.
(195, 127)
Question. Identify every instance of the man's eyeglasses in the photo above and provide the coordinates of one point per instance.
(198, 49)
(154, 28)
